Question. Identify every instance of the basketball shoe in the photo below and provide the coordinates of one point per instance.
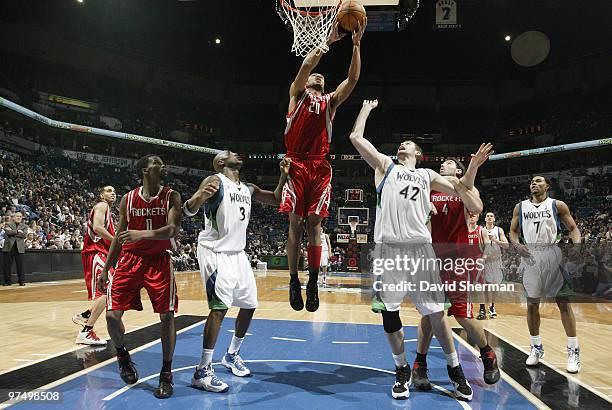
(165, 388)
(206, 379)
(127, 370)
(312, 297)
(463, 390)
(81, 318)
(491, 370)
(401, 388)
(89, 337)
(573, 359)
(537, 352)
(234, 362)
(295, 294)
(492, 312)
(420, 380)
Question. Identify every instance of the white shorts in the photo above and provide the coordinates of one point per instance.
(426, 302)
(228, 279)
(542, 276)
(493, 271)
(324, 259)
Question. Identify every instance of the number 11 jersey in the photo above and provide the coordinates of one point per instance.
(227, 217)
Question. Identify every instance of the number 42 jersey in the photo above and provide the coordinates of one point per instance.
(403, 206)
(227, 217)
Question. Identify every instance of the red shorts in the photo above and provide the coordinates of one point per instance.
(93, 263)
(460, 300)
(134, 272)
(308, 188)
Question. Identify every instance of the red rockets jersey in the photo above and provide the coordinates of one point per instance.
(94, 243)
(148, 215)
(309, 126)
(472, 239)
(449, 225)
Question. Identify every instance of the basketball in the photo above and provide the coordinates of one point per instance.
(351, 14)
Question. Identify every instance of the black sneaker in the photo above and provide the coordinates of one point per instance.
(400, 390)
(127, 370)
(312, 297)
(463, 391)
(295, 295)
(482, 315)
(165, 388)
(491, 371)
(420, 380)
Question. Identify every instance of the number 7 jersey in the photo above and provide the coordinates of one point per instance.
(403, 206)
(227, 217)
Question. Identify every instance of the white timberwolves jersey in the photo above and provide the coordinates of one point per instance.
(324, 243)
(495, 248)
(403, 206)
(539, 223)
(227, 217)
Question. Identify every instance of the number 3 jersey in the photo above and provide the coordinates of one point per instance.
(403, 206)
(227, 217)
(539, 223)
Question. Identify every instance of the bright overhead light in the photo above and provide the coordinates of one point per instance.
(217, 41)
(79, 1)
(507, 38)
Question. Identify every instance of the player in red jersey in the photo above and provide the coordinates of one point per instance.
(449, 230)
(308, 134)
(99, 235)
(149, 219)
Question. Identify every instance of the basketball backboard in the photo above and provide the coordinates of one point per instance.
(327, 3)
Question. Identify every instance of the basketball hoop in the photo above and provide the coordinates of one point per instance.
(310, 21)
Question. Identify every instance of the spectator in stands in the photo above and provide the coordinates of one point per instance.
(14, 248)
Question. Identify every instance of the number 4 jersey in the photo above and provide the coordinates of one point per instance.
(403, 206)
(227, 217)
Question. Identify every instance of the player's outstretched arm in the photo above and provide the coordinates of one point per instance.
(99, 219)
(208, 188)
(115, 247)
(269, 197)
(568, 221)
(479, 158)
(347, 86)
(514, 233)
(377, 161)
(308, 65)
(453, 186)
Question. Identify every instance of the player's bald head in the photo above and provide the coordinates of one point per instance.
(219, 160)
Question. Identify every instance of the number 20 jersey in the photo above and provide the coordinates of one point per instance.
(403, 206)
(227, 217)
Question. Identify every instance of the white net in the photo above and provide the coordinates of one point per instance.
(310, 24)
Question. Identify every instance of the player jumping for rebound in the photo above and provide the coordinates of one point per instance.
(224, 266)
(401, 214)
(99, 235)
(493, 263)
(308, 134)
(450, 232)
(149, 219)
(538, 222)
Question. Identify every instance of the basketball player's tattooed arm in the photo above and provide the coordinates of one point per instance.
(347, 86)
(310, 63)
(99, 219)
(208, 188)
(269, 197)
(115, 247)
(479, 158)
(170, 230)
(377, 161)
(514, 234)
(568, 221)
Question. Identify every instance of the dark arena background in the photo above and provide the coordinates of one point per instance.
(88, 87)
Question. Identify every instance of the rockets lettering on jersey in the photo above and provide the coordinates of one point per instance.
(309, 126)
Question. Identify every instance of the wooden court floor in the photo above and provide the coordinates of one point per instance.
(36, 321)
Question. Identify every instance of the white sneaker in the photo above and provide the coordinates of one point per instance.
(79, 320)
(235, 363)
(537, 352)
(206, 379)
(573, 359)
(89, 338)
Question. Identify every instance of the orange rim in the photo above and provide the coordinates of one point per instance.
(329, 9)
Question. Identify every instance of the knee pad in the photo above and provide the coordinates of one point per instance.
(391, 321)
